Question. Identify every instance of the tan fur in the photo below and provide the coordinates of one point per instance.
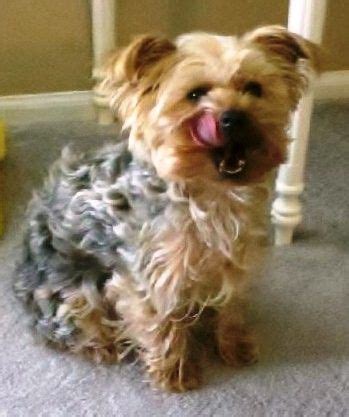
(98, 334)
(201, 260)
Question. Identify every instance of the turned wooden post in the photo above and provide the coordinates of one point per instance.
(103, 41)
(306, 17)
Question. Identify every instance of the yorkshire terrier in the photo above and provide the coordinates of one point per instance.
(138, 246)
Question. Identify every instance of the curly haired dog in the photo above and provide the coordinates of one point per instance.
(143, 242)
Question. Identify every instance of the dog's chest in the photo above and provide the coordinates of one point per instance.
(145, 214)
(212, 222)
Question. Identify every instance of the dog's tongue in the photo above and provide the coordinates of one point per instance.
(205, 132)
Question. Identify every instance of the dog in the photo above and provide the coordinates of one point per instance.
(138, 246)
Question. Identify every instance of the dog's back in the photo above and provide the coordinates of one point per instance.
(76, 232)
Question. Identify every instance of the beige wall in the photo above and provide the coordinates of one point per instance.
(336, 35)
(45, 45)
(178, 16)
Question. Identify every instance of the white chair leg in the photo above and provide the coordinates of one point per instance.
(306, 17)
(103, 41)
(103, 112)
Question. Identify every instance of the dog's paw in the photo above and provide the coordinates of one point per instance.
(238, 348)
(178, 378)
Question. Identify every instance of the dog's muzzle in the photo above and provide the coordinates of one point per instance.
(230, 137)
(239, 139)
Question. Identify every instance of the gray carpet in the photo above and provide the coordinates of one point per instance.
(300, 306)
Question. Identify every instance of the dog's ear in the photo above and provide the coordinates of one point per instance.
(287, 45)
(134, 61)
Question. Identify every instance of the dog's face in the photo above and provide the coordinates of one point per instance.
(210, 107)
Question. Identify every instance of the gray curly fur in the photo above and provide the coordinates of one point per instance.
(84, 224)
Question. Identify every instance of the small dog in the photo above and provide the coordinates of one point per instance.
(140, 245)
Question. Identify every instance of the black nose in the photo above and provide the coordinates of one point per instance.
(232, 119)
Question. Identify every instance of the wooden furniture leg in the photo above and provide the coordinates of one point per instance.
(103, 41)
(306, 17)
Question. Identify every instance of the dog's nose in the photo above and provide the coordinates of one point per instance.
(232, 119)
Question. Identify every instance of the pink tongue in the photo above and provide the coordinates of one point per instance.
(206, 130)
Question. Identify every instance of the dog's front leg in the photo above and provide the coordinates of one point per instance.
(235, 342)
(165, 341)
(165, 336)
(167, 352)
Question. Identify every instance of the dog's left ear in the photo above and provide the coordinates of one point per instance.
(287, 45)
(133, 62)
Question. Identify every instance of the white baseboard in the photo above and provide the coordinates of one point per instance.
(332, 85)
(61, 106)
(78, 105)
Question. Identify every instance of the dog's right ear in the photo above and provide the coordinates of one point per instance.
(134, 61)
(286, 45)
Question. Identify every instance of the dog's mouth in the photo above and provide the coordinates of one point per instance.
(230, 163)
(229, 158)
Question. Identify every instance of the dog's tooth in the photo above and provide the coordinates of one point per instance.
(224, 168)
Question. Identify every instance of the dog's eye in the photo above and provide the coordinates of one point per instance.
(253, 88)
(197, 93)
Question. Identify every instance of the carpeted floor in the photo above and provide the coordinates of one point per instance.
(300, 306)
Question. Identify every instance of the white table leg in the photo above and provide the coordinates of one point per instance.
(306, 17)
(103, 41)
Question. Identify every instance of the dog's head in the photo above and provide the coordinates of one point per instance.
(210, 107)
